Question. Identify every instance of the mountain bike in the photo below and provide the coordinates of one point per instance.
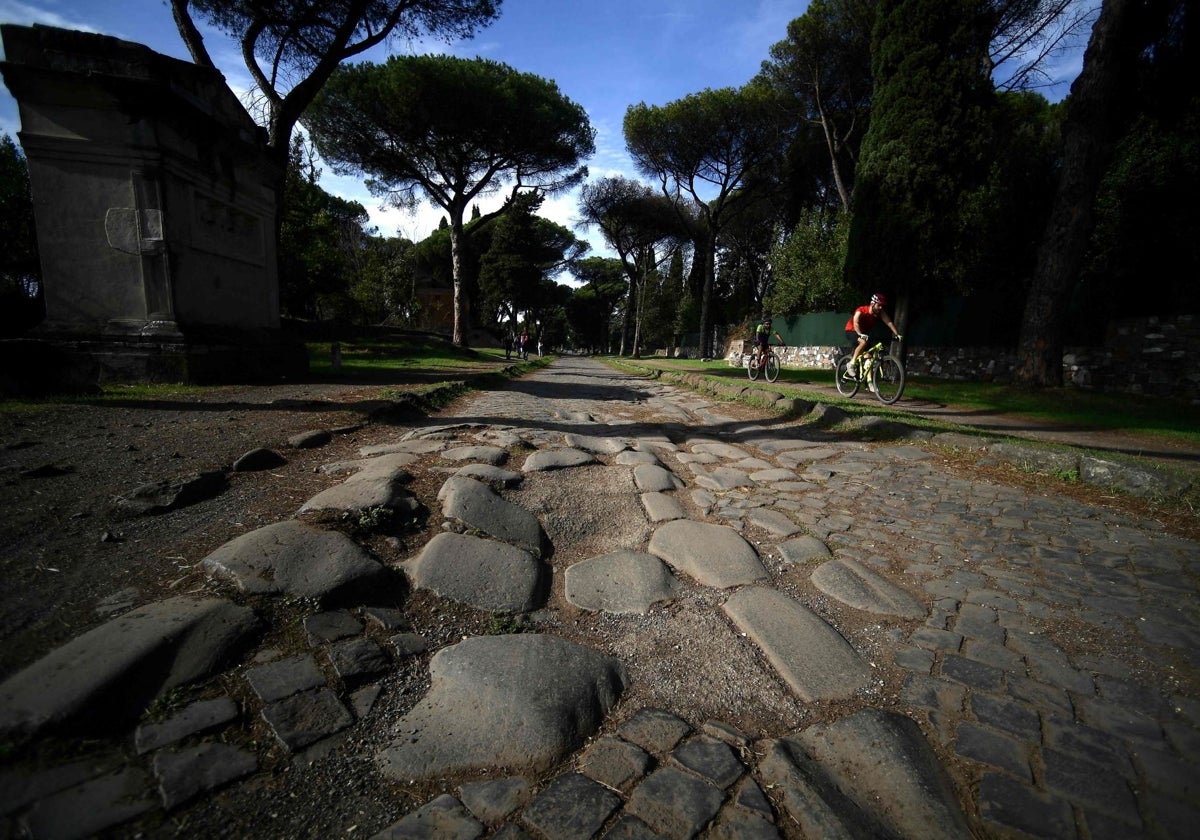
(882, 371)
(770, 366)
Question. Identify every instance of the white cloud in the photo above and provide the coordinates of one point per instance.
(25, 14)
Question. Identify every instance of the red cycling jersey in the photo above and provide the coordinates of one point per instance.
(865, 320)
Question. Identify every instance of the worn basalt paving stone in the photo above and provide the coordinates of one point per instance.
(810, 655)
(655, 730)
(324, 627)
(477, 506)
(186, 773)
(493, 455)
(364, 491)
(284, 677)
(714, 555)
(614, 762)
(736, 824)
(444, 818)
(259, 459)
(302, 719)
(882, 761)
(295, 559)
(487, 574)
(674, 803)
(631, 458)
(557, 459)
(773, 521)
(195, 718)
(89, 808)
(803, 548)
(522, 701)
(857, 586)
(662, 507)
(710, 758)
(171, 493)
(494, 800)
(127, 661)
(651, 478)
(619, 582)
(355, 659)
(572, 807)
(494, 477)
(597, 445)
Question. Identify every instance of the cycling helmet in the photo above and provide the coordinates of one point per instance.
(879, 298)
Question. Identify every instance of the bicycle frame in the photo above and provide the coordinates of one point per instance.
(883, 372)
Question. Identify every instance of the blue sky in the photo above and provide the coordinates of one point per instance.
(604, 55)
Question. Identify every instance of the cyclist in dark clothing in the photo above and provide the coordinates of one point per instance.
(762, 341)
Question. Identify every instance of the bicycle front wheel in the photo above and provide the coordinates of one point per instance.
(846, 385)
(888, 378)
(772, 367)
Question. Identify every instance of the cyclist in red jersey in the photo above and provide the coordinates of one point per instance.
(860, 323)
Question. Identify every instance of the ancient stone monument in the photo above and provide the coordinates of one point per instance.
(155, 208)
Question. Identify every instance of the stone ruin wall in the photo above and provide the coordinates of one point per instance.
(1157, 356)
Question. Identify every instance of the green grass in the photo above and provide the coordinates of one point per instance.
(399, 361)
(1089, 410)
(379, 355)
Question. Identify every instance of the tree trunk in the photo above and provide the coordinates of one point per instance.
(710, 269)
(456, 268)
(1091, 130)
(627, 319)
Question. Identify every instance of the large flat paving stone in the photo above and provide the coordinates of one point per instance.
(811, 656)
(875, 769)
(294, 559)
(715, 555)
(186, 773)
(721, 450)
(493, 455)
(662, 507)
(494, 477)
(477, 506)
(674, 803)
(307, 717)
(619, 582)
(487, 574)
(651, 478)
(444, 818)
(855, 585)
(116, 669)
(374, 486)
(598, 445)
(557, 459)
(521, 702)
(88, 809)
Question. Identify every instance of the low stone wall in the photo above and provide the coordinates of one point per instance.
(1140, 356)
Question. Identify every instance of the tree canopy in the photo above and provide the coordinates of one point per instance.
(925, 159)
(704, 147)
(20, 271)
(450, 130)
(292, 47)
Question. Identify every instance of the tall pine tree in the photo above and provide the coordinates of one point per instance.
(921, 186)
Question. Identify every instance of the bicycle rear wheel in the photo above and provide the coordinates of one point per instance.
(772, 367)
(888, 377)
(752, 367)
(846, 387)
